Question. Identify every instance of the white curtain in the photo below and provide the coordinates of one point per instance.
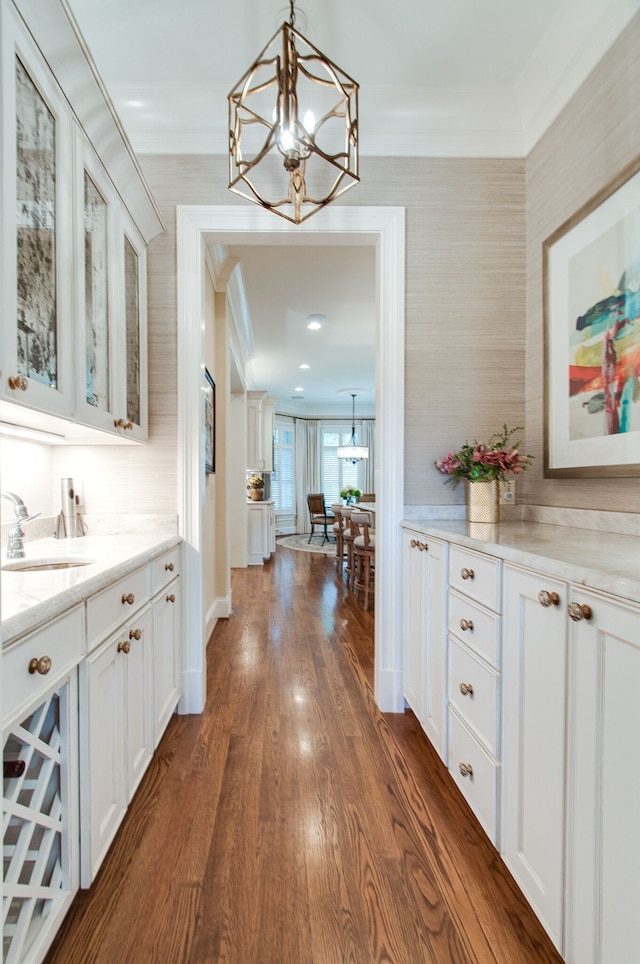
(307, 469)
(367, 436)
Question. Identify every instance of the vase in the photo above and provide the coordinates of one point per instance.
(483, 502)
(256, 494)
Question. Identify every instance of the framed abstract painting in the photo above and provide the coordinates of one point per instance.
(591, 277)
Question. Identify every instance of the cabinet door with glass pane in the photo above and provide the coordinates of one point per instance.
(110, 379)
(37, 260)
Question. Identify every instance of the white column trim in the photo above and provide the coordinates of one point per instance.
(383, 227)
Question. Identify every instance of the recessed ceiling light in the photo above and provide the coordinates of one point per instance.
(298, 388)
(304, 365)
(315, 321)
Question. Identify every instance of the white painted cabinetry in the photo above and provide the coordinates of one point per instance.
(75, 223)
(117, 737)
(166, 649)
(260, 429)
(261, 532)
(40, 808)
(603, 782)
(473, 682)
(534, 673)
(543, 721)
(423, 633)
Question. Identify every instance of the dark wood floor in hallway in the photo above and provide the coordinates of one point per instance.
(292, 822)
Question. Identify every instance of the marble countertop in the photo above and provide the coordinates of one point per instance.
(29, 599)
(605, 561)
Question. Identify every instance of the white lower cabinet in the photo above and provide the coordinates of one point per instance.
(534, 674)
(40, 807)
(166, 657)
(261, 532)
(423, 633)
(603, 792)
(117, 737)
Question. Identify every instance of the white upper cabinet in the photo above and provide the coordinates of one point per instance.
(111, 363)
(74, 329)
(37, 330)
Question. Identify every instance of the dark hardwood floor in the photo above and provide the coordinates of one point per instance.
(292, 822)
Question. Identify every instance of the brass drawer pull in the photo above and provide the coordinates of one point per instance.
(18, 383)
(129, 598)
(467, 573)
(414, 543)
(466, 689)
(547, 599)
(169, 567)
(466, 770)
(124, 647)
(135, 634)
(578, 611)
(466, 624)
(171, 598)
(422, 546)
(42, 665)
(122, 423)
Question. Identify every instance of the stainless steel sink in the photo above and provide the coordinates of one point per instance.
(41, 565)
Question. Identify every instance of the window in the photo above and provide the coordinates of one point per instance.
(282, 481)
(336, 473)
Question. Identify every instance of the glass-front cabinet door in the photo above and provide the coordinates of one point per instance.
(111, 361)
(136, 330)
(37, 238)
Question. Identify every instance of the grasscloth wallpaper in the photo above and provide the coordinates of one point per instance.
(594, 138)
(465, 286)
(474, 233)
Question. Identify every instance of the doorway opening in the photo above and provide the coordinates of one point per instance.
(382, 227)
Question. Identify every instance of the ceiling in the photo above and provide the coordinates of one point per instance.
(446, 78)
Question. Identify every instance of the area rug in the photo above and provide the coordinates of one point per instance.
(302, 543)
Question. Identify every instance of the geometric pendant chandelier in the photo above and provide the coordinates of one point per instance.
(293, 128)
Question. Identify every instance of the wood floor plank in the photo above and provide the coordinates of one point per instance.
(292, 822)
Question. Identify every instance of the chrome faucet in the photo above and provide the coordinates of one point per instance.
(15, 543)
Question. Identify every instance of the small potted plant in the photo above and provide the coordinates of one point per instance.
(255, 485)
(350, 494)
(483, 465)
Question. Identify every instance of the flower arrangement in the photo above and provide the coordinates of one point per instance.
(255, 482)
(485, 462)
(350, 493)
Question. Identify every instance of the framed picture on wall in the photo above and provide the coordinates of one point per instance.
(209, 423)
(591, 283)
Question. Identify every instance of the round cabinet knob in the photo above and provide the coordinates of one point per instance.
(467, 573)
(42, 665)
(466, 624)
(423, 546)
(414, 543)
(466, 770)
(578, 611)
(128, 598)
(124, 647)
(171, 598)
(119, 423)
(169, 567)
(466, 689)
(135, 634)
(547, 599)
(18, 383)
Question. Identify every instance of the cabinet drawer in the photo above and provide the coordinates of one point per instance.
(165, 568)
(483, 627)
(110, 608)
(474, 691)
(475, 575)
(62, 641)
(480, 785)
